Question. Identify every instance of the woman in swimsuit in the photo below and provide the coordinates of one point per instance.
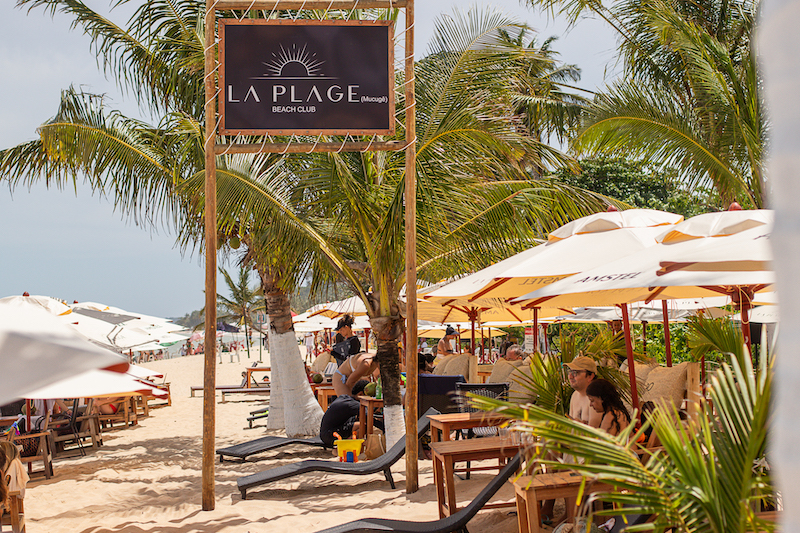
(355, 367)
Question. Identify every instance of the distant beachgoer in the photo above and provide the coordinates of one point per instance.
(605, 399)
(445, 347)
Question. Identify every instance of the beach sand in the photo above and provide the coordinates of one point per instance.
(148, 478)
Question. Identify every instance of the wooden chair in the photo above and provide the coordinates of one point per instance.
(41, 443)
(126, 413)
(14, 514)
(85, 426)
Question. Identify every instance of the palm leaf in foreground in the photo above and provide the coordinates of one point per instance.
(708, 477)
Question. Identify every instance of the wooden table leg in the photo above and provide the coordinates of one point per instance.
(438, 480)
(449, 477)
(522, 511)
(370, 419)
(361, 421)
(445, 431)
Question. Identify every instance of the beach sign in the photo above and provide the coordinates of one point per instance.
(306, 77)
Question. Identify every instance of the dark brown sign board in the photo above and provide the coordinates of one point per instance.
(282, 77)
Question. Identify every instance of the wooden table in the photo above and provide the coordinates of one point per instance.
(442, 425)
(252, 369)
(483, 375)
(447, 453)
(530, 490)
(366, 414)
(324, 394)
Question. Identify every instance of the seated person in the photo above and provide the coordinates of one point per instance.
(425, 362)
(106, 406)
(356, 367)
(13, 476)
(342, 415)
(604, 398)
(445, 348)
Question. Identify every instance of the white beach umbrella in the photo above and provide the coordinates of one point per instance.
(95, 384)
(675, 268)
(37, 349)
(140, 372)
(574, 247)
(352, 306)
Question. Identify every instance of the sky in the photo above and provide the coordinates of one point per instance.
(72, 245)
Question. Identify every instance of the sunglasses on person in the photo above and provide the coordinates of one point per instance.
(574, 372)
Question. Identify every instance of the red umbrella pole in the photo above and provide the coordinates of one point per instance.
(667, 343)
(746, 325)
(366, 339)
(629, 350)
(535, 329)
(644, 337)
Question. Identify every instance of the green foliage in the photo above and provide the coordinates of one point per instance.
(190, 320)
(708, 477)
(637, 184)
(715, 338)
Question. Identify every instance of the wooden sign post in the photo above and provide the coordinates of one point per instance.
(307, 99)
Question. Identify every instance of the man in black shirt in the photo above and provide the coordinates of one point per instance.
(341, 416)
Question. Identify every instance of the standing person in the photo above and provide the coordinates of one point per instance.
(445, 347)
(581, 372)
(349, 343)
(604, 399)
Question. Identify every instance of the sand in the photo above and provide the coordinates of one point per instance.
(147, 478)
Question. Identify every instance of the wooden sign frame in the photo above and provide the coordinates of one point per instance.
(213, 149)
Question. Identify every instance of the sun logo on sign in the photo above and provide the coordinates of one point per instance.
(293, 63)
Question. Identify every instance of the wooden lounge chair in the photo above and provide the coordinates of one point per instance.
(381, 464)
(455, 522)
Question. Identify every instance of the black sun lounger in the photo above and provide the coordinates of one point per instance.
(454, 522)
(381, 464)
(244, 450)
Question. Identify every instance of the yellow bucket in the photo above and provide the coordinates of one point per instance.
(348, 449)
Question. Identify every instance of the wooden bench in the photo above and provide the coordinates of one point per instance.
(88, 427)
(238, 390)
(200, 388)
(126, 413)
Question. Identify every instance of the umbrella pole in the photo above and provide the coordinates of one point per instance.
(629, 350)
(546, 344)
(535, 329)
(644, 337)
(472, 339)
(366, 339)
(667, 341)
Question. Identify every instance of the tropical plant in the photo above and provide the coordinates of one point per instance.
(243, 302)
(715, 337)
(690, 95)
(545, 381)
(711, 474)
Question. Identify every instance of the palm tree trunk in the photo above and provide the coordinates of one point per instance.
(292, 404)
(387, 330)
(246, 338)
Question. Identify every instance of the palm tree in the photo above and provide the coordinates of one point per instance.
(690, 97)
(244, 301)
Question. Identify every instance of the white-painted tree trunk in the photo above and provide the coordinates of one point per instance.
(299, 411)
(778, 44)
(395, 423)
